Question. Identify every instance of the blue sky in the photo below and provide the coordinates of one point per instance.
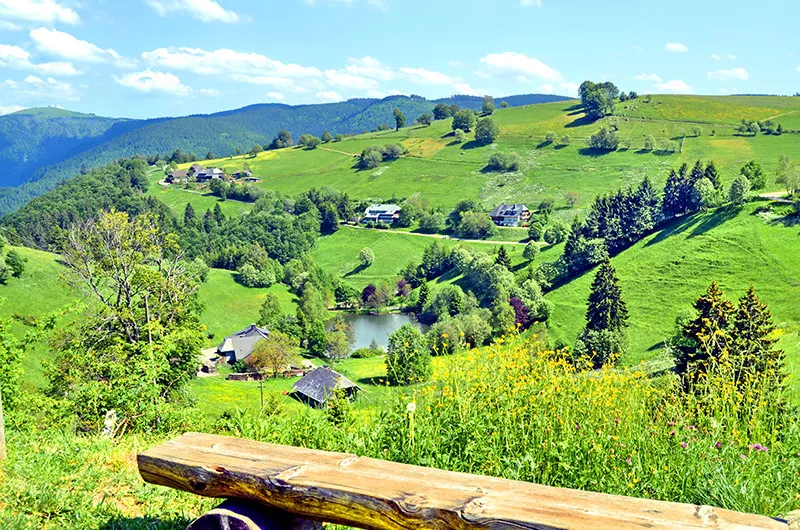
(146, 58)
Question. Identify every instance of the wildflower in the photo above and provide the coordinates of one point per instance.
(616, 420)
(629, 461)
(691, 427)
(684, 444)
(743, 457)
(672, 433)
(672, 423)
(577, 426)
(411, 407)
(718, 445)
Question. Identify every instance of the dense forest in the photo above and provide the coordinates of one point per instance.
(54, 158)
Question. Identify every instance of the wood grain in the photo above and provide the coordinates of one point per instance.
(375, 494)
(242, 515)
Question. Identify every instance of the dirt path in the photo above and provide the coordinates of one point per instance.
(337, 151)
(442, 236)
(777, 196)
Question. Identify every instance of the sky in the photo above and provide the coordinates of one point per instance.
(149, 58)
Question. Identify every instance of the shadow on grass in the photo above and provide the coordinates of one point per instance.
(542, 145)
(714, 220)
(579, 122)
(472, 144)
(374, 381)
(356, 270)
(145, 523)
(559, 147)
(673, 228)
(593, 152)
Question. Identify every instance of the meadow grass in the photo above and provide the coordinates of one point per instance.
(662, 275)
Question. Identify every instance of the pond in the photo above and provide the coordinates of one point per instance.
(367, 328)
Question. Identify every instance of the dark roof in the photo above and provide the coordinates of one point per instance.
(508, 210)
(242, 342)
(321, 383)
(179, 173)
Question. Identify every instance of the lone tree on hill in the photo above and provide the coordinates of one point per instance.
(441, 112)
(488, 106)
(399, 119)
(598, 98)
(606, 318)
(366, 257)
(425, 119)
(486, 131)
(326, 137)
(464, 120)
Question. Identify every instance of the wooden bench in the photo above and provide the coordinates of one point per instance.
(277, 487)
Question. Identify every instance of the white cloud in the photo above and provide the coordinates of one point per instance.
(50, 87)
(67, 46)
(150, 81)
(210, 92)
(716, 57)
(655, 78)
(8, 109)
(203, 10)
(380, 4)
(530, 3)
(38, 11)
(561, 89)
(676, 47)
(515, 64)
(19, 59)
(263, 80)
(675, 86)
(731, 57)
(277, 96)
(329, 96)
(370, 67)
(738, 74)
(344, 80)
(569, 89)
(227, 61)
(426, 77)
(547, 88)
(464, 88)
(9, 26)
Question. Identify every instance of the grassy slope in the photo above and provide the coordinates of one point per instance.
(662, 275)
(444, 172)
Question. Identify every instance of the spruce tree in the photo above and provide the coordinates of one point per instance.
(424, 296)
(708, 336)
(189, 217)
(697, 173)
(647, 205)
(672, 195)
(753, 343)
(218, 215)
(503, 258)
(712, 174)
(607, 310)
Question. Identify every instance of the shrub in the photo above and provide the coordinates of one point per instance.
(649, 142)
(461, 136)
(486, 131)
(432, 222)
(366, 353)
(740, 190)
(531, 251)
(557, 233)
(550, 137)
(249, 276)
(504, 162)
(464, 120)
(605, 139)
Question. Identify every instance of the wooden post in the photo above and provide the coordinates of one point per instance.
(241, 515)
(2, 431)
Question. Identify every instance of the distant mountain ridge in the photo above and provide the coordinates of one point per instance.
(41, 147)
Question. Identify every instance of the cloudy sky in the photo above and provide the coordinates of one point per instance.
(145, 58)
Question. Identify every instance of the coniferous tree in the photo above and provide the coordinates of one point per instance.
(708, 337)
(672, 195)
(647, 206)
(754, 345)
(424, 296)
(189, 216)
(503, 258)
(219, 217)
(712, 174)
(607, 310)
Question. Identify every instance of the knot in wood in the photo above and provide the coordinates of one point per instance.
(707, 514)
(474, 506)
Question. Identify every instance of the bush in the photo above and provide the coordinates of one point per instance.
(464, 120)
(531, 251)
(407, 359)
(740, 190)
(536, 231)
(605, 139)
(249, 276)
(557, 233)
(649, 142)
(504, 162)
(550, 137)
(461, 136)
(366, 353)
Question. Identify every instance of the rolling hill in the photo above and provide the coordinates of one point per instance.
(42, 147)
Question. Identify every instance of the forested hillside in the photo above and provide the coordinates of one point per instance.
(43, 149)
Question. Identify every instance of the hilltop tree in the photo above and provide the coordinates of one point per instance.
(504, 104)
(399, 119)
(486, 131)
(755, 174)
(488, 106)
(464, 120)
(598, 98)
(274, 354)
(408, 360)
(326, 137)
(425, 119)
(503, 258)
(284, 139)
(441, 111)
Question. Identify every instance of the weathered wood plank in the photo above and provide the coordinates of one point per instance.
(376, 494)
(234, 514)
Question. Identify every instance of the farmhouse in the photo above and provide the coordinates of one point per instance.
(318, 386)
(178, 175)
(244, 174)
(240, 345)
(510, 215)
(208, 174)
(381, 213)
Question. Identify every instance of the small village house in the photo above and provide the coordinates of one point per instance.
(207, 174)
(179, 175)
(240, 345)
(510, 215)
(381, 213)
(320, 385)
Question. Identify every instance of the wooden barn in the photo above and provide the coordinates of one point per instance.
(319, 385)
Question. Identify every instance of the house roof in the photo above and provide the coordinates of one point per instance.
(242, 342)
(508, 210)
(382, 209)
(320, 383)
(179, 173)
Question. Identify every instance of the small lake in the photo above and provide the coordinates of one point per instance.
(367, 328)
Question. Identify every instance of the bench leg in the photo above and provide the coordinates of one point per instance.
(242, 515)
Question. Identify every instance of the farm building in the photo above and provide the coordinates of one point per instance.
(510, 215)
(240, 345)
(178, 175)
(319, 385)
(381, 213)
(208, 174)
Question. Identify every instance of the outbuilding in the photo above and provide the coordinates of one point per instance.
(319, 385)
